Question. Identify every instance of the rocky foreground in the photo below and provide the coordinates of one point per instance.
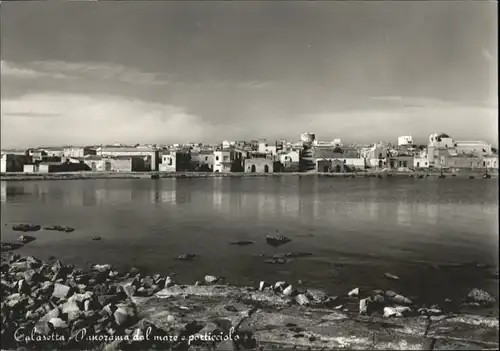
(56, 306)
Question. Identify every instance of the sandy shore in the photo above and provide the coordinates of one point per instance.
(57, 306)
(156, 175)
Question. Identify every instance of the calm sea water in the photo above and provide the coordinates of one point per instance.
(356, 229)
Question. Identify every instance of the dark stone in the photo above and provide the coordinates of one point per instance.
(277, 240)
(241, 242)
(186, 257)
(26, 227)
(480, 297)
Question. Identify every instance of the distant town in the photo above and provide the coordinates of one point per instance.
(307, 154)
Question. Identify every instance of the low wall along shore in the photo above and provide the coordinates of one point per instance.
(156, 175)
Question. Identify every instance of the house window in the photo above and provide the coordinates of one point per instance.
(170, 162)
(206, 158)
(226, 158)
(216, 158)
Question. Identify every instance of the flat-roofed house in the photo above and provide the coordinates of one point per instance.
(150, 155)
(14, 162)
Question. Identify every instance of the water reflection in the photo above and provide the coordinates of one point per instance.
(325, 200)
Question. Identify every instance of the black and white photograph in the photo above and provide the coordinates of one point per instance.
(249, 175)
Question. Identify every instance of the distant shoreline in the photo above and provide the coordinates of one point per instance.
(156, 175)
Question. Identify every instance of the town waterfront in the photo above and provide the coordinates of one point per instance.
(355, 229)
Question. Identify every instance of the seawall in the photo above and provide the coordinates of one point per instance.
(156, 175)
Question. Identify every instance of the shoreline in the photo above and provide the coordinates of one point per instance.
(189, 175)
(102, 309)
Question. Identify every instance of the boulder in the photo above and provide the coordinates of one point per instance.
(277, 240)
(241, 242)
(58, 323)
(168, 282)
(102, 267)
(70, 306)
(401, 300)
(61, 291)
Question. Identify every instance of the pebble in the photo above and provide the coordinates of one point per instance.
(288, 290)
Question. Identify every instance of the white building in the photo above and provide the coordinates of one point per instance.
(265, 148)
(223, 160)
(307, 138)
(420, 162)
(289, 157)
(441, 141)
(479, 148)
(405, 140)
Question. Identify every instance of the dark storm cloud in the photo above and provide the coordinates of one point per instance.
(264, 68)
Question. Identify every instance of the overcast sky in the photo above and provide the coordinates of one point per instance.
(165, 71)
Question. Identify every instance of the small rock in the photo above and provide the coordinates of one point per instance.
(401, 300)
(210, 279)
(317, 295)
(169, 282)
(70, 306)
(102, 267)
(186, 257)
(398, 311)
(241, 242)
(58, 323)
(25, 239)
(353, 293)
(391, 276)
(378, 299)
(363, 306)
(302, 299)
(170, 318)
(288, 291)
(262, 285)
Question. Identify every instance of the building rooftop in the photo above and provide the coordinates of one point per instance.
(127, 149)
